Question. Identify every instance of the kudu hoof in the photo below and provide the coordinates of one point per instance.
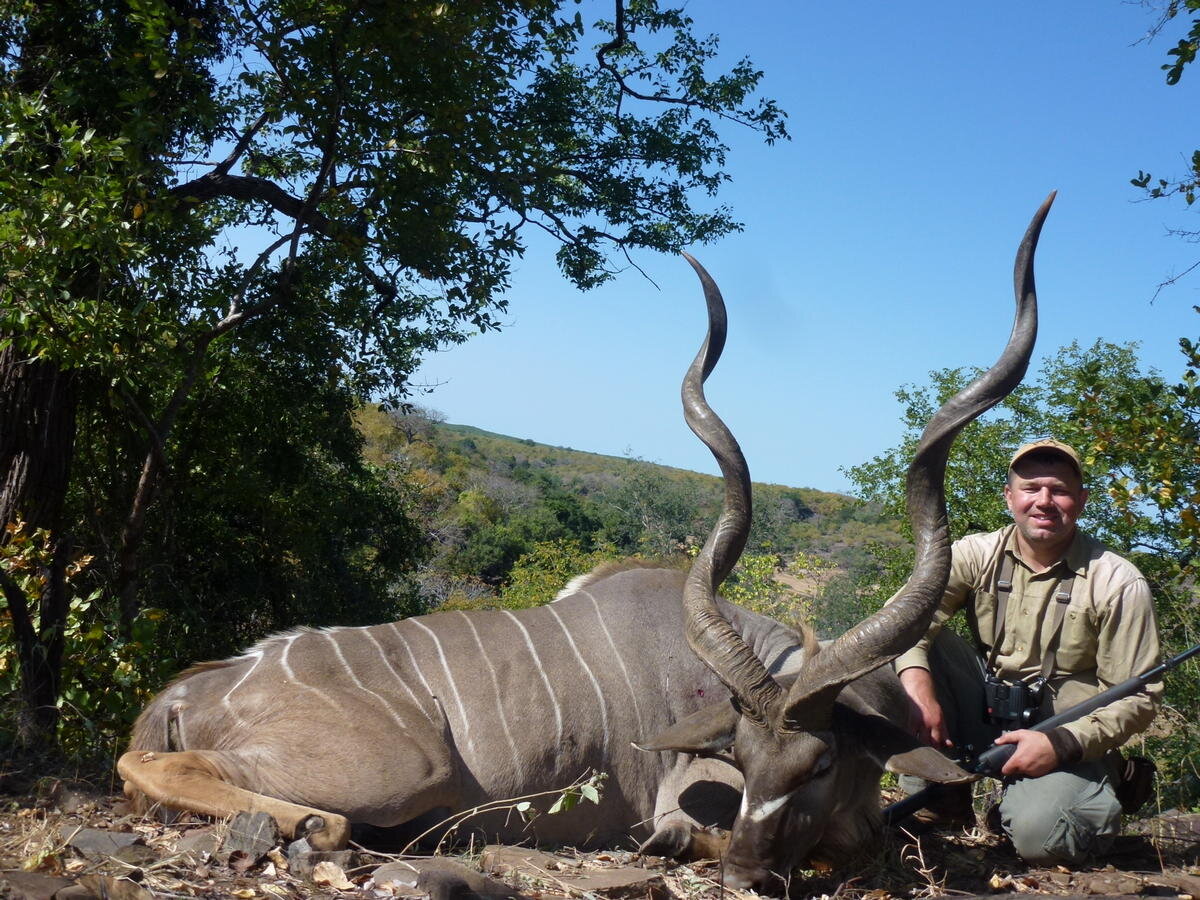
(324, 832)
(686, 843)
(670, 841)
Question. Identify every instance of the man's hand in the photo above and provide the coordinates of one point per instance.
(1034, 755)
(926, 719)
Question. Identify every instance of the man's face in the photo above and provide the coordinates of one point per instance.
(1045, 498)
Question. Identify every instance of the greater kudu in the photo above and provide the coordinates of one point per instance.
(394, 723)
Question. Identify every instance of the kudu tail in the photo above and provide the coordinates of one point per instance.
(150, 735)
(150, 731)
(157, 728)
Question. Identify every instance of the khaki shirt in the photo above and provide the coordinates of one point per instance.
(1109, 632)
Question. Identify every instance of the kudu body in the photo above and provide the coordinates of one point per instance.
(448, 711)
(394, 723)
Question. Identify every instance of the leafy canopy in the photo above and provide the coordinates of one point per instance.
(231, 223)
(205, 163)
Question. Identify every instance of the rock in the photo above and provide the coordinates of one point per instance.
(199, 845)
(569, 876)
(68, 798)
(138, 855)
(302, 864)
(1178, 882)
(1173, 829)
(30, 885)
(1108, 883)
(299, 847)
(621, 882)
(502, 859)
(251, 834)
(440, 879)
(76, 892)
(109, 888)
(97, 844)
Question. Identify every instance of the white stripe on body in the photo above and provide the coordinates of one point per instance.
(257, 656)
(462, 712)
(620, 661)
(496, 685)
(591, 676)
(413, 659)
(287, 669)
(558, 722)
(357, 683)
(404, 684)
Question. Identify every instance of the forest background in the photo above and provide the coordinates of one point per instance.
(192, 448)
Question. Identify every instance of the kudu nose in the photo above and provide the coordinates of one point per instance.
(752, 878)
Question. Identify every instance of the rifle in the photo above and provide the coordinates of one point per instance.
(992, 760)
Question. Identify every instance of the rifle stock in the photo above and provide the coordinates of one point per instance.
(992, 760)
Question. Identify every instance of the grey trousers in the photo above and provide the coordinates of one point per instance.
(1064, 817)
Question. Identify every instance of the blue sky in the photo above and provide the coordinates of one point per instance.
(879, 242)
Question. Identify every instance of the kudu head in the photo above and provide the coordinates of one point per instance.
(786, 735)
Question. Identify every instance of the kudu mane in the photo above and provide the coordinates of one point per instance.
(614, 566)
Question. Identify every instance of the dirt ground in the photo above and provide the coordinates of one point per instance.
(62, 840)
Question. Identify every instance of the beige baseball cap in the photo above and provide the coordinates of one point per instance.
(1052, 445)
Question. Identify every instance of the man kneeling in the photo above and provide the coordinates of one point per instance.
(1057, 617)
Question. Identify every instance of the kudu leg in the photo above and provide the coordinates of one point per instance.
(189, 780)
(697, 795)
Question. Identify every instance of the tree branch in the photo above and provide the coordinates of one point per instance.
(248, 187)
(18, 607)
(1168, 282)
(242, 145)
(620, 39)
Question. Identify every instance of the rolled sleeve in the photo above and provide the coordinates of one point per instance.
(963, 568)
(1127, 645)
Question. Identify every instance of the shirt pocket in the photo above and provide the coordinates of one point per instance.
(984, 614)
(1078, 642)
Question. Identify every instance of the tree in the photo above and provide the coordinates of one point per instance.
(652, 514)
(1184, 52)
(1097, 400)
(546, 568)
(361, 175)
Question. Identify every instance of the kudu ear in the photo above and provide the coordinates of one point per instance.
(894, 749)
(706, 732)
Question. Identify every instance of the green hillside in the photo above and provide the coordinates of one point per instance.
(508, 520)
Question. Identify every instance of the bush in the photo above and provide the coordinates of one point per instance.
(541, 573)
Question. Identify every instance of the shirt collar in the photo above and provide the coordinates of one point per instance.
(1078, 553)
(1075, 559)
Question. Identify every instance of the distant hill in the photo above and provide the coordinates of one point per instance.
(486, 500)
(571, 462)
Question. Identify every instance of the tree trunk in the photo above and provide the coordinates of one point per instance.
(37, 442)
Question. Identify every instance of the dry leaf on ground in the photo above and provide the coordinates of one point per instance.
(331, 875)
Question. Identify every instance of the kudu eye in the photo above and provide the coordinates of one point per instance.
(822, 767)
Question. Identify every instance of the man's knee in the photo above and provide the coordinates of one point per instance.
(1063, 819)
(1051, 836)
